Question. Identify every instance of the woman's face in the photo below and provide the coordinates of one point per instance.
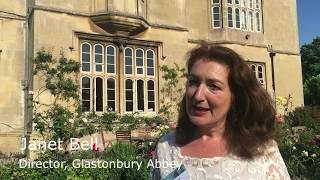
(208, 96)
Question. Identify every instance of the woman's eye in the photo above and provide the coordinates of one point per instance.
(192, 82)
(214, 87)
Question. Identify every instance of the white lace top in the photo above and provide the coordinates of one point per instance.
(264, 167)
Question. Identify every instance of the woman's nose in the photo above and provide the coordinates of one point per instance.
(200, 93)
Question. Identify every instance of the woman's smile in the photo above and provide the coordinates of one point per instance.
(199, 111)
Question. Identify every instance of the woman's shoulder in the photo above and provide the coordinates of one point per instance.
(168, 139)
(270, 147)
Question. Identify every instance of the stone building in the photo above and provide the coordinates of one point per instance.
(122, 43)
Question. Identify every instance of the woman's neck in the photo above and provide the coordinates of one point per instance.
(216, 131)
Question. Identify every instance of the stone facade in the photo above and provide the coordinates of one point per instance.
(168, 28)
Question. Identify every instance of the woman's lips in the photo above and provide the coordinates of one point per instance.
(199, 111)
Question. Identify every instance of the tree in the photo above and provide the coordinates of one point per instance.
(312, 90)
(310, 58)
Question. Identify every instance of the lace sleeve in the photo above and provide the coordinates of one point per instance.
(274, 164)
(162, 154)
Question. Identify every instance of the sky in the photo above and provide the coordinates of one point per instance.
(308, 20)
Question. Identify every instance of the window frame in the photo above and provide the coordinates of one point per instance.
(115, 60)
(132, 62)
(90, 56)
(102, 58)
(213, 20)
(119, 77)
(95, 93)
(154, 63)
(115, 94)
(90, 93)
(154, 94)
(232, 18)
(143, 61)
(256, 72)
(125, 95)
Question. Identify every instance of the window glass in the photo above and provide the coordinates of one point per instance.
(250, 16)
(257, 4)
(215, 1)
(85, 57)
(111, 95)
(151, 96)
(140, 95)
(230, 20)
(216, 16)
(244, 20)
(150, 63)
(251, 4)
(258, 22)
(258, 71)
(110, 59)
(85, 93)
(98, 56)
(99, 94)
(237, 12)
(139, 61)
(129, 94)
(128, 61)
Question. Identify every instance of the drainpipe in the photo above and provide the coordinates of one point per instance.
(272, 53)
(26, 81)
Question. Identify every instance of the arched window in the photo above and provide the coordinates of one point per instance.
(85, 57)
(215, 10)
(243, 3)
(106, 89)
(99, 94)
(258, 25)
(128, 61)
(229, 1)
(111, 95)
(253, 68)
(237, 12)
(150, 63)
(244, 20)
(111, 59)
(129, 95)
(151, 96)
(251, 24)
(139, 62)
(237, 2)
(257, 4)
(230, 19)
(98, 57)
(140, 95)
(251, 4)
(85, 94)
(259, 72)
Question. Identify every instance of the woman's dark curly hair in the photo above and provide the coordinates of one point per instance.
(251, 118)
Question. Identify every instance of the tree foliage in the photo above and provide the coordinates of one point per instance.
(310, 59)
(59, 116)
(312, 90)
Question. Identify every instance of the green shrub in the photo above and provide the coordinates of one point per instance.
(299, 147)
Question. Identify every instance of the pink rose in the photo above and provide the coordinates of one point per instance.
(173, 126)
(279, 118)
(95, 148)
(152, 153)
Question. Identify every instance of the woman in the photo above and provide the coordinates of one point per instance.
(225, 124)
